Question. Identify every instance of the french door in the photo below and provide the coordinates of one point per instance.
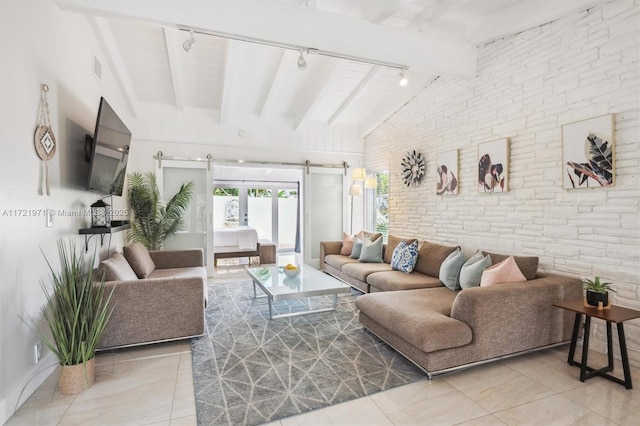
(271, 208)
(197, 224)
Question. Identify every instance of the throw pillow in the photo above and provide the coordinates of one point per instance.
(365, 234)
(405, 256)
(471, 271)
(347, 244)
(506, 271)
(138, 257)
(116, 268)
(431, 256)
(392, 243)
(528, 265)
(371, 251)
(450, 269)
(356, 249)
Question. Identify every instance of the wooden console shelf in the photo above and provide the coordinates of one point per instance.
(117, 226)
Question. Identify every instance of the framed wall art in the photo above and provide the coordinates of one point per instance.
(588, 153)
(493, 166)
(447, 172)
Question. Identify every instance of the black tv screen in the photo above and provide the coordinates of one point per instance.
(109, 152)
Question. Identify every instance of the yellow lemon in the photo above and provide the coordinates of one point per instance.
(290, 266)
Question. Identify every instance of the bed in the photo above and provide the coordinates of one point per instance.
(239, 241)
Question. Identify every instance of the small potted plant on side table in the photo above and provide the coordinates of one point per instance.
(597, 292)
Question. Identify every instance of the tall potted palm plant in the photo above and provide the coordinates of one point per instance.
(153, 220)
(76, 313)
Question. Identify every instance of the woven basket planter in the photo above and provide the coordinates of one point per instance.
(77, 378)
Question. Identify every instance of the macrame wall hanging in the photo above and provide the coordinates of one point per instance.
(44, 139)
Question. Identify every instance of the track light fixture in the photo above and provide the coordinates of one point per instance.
(403, 78)
(302, 63)
(188, 45)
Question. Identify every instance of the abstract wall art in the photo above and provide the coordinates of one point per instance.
(588, 153)
(493, 166)
(447, 172)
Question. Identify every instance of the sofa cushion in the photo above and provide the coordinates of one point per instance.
(396, 280)
(431, 256)
(371, 250)
(449, 272)
(138, 257)
(528, 265)
(404, 256)
(338, 260)
(420, 317)
(347, 244)
(116, 268)
(392, 243)
(471, 271)
(187, 272)
(506, 271)
(361, 271)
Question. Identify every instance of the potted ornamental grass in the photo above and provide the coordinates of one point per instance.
(154, 221)
(76, 313)
(597, 291)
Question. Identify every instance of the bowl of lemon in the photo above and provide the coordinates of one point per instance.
(291, 270)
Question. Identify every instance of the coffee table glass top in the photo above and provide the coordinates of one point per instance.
(310, 282)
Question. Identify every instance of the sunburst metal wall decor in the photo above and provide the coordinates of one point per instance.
(413, 168)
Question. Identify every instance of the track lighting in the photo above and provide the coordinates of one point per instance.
(302, 64)
(403, 78)
(188, 45)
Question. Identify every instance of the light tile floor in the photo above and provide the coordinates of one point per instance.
(153, 385)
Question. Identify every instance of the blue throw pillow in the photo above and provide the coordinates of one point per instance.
(405, 256)
(450, 269)
(371, 250)
(356, 249)
(471, 272)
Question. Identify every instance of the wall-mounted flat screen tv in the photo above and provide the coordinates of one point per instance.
(109, 152)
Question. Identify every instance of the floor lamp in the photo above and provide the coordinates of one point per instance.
(354, 191)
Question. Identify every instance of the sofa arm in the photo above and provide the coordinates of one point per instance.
(507, 318)
(165, 259)
(329, 247)
(152, 310)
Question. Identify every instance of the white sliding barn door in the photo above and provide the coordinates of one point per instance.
(197, 230)
(324, 210)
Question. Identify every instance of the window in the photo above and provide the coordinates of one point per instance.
(377, 205)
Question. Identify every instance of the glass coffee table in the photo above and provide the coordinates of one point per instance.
(310, 283)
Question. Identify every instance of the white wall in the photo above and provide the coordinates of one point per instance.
(39, 44)
(527, 87)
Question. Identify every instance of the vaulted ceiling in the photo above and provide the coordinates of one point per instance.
(244, 60)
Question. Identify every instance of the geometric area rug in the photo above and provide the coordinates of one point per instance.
(248, 369)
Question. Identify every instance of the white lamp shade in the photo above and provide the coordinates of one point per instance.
(355, 190)
(359, 174)
(371, 182)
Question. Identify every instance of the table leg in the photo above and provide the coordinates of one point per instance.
(609, 347)
(270, 308)
(585, 347)
(335, 300)
(574, 338)
(255, 295)
(624, 356)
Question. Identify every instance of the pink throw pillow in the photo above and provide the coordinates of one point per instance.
(347, 244)
(506, 271)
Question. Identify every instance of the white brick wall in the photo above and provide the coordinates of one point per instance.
(527, 87)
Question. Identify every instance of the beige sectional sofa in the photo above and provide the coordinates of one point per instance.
(442, 330)
(165, 303)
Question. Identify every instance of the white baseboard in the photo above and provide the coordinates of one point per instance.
(16, 396)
